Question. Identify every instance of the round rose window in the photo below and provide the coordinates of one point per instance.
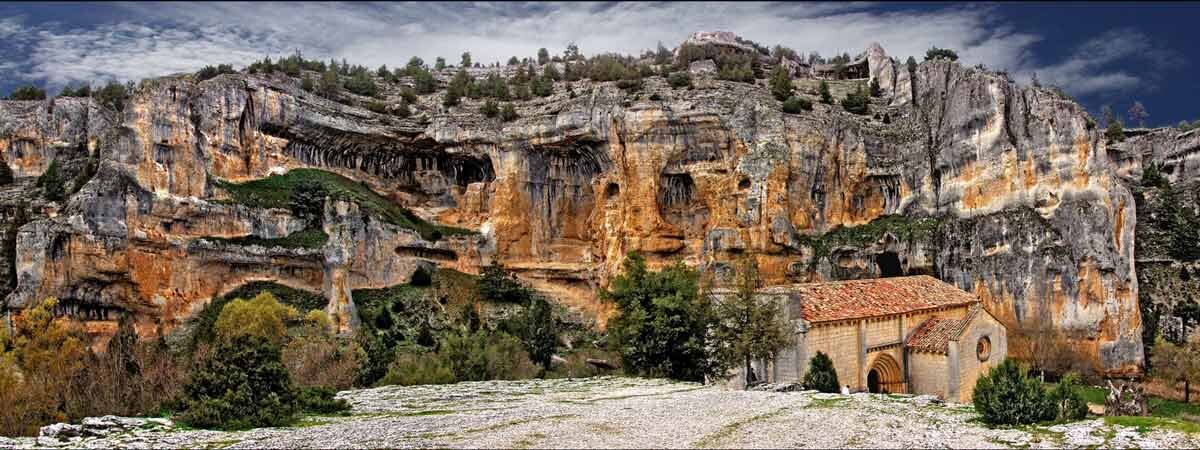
(984, 348)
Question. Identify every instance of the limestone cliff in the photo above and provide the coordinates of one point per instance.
(1007, 191)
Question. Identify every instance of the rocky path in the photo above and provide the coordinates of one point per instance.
(620, 413)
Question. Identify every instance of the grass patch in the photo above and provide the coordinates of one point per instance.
(732, 427)
(1145, 424)
(904, 228)
(275, 192)
(311, 239)
(828, 402)
(1159, 407)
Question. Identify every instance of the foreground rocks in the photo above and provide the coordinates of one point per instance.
(621, 413)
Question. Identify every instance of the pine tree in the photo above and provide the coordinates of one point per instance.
(823, 89)
(745, 327)
(821, 374)
(781, 84)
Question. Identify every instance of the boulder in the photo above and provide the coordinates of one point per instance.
(1125, 399)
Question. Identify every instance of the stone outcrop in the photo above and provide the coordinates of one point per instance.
(1005, 191)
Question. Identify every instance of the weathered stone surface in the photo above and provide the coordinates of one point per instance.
(1028, 209)
(607, 412)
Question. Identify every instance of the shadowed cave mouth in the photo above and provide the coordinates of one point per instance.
(888, 264)
(436, 254)
(403, 165)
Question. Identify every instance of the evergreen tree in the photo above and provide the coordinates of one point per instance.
(543, 56)
(821, 374)
(661, 325)
(1007, 395)
(466, 60)
(781, 84)
(439, 63)
(823, 90)
(746, 328)
(242, 384)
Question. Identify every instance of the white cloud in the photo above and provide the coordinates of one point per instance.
(1095, 65)
(173, 37)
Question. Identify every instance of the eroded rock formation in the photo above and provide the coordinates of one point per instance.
(1006, 191)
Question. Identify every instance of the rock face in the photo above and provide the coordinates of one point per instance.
(1005, 191)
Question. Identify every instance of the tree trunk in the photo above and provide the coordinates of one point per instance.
(750, 378)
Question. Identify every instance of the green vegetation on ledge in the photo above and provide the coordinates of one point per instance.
(275, 192)
(904, 228)
(310, 239)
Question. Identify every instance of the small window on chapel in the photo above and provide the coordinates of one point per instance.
(984, 348)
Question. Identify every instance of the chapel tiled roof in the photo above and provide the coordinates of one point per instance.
(934, 334)
(859, 299)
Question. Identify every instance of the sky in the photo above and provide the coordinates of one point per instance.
(1102, 53)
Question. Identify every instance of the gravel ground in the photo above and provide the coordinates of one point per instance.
(624, 413)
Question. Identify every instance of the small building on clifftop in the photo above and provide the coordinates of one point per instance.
(912, 334)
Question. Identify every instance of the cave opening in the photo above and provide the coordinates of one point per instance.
(888, 264)
(612, 190)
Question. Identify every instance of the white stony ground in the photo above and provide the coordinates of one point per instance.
(627, 413)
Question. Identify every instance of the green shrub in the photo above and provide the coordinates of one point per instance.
(263, 317)
(210, 72)
(857, 102)
(27, 92)
(941, 53)
(83, 90)
(413, 367)
(796, 105)
(661, 327)
(499, 285)
(821, 375)
(1007, 395)
(377, 107)
(113, 95)
(1068, 395)
(51, 182)
(781, 84)
(823, 90)
(508, 113)
(490, 108)
(875, 89)
(241, 384)
(361, 83)
(680, 79)
(320, 400)
(1115, 132)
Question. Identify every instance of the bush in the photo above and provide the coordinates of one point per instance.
(821, 375)
(413, 367)
(210, 72)
(781, 84)
(1068, 396)
(941, 53)
(857, 102)
(796, 105)
(508, 113)
(490, 108)
(320, 400)
(423, 81)
(51, 183)
(1115, 132)
(823, 90)
(875, 89)
(661, 327)
(361, 83)
(263, 317)
(113, 95)
(27, 92)
(1007, 395)
(680, 79)
(317, 358)
(38, 363)
(377, 107)
(241, 384)
(80, 91)
(307, 202)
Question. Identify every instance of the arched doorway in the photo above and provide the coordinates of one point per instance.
(885, 376)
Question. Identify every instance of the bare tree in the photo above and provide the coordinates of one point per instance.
(1138, 114)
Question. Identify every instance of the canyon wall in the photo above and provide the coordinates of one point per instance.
(1006, 191)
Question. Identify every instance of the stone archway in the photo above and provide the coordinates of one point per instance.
(885, 376)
